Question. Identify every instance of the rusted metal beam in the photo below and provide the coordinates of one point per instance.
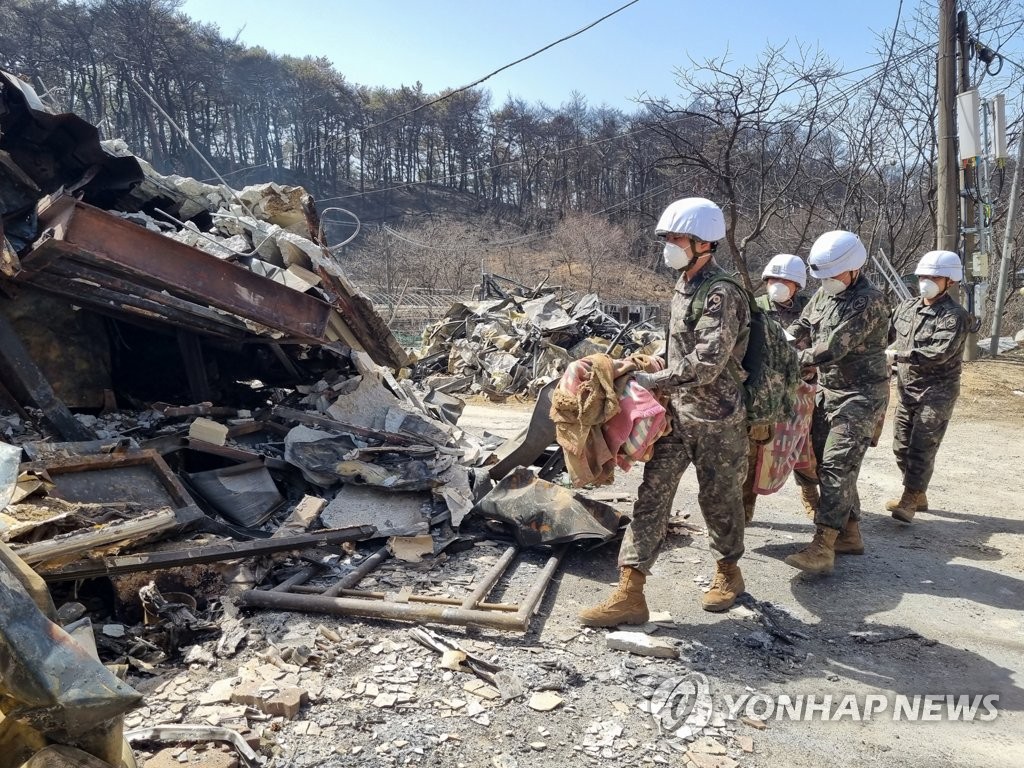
(72, 229)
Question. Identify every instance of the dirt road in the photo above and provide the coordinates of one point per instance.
(936, 607)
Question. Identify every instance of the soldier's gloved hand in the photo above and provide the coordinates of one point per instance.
(890, 356)
(646, 380)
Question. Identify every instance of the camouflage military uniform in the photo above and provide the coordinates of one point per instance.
(785, 314)
(929, 343)
(709, 423)
(844, 336)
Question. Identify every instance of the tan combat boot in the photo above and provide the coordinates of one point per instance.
(811, 498)
(849, 541)
(819, 556)
(905, 506)
(626, 605)
(726, 586)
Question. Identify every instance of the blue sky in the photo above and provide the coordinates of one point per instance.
(449, 43)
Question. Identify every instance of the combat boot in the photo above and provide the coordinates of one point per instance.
(726, 586)
(849, 541)
(626, 605)
(819, 556)
(905, 506)
(811, 498)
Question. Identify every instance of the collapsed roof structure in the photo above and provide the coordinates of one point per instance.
(188, 378)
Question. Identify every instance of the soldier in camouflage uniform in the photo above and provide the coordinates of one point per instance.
(842, 333)
(927, 343)
(785, 276)
(703, 382)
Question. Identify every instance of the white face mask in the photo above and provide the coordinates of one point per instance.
(929, 289)
(833, 287)
(674, 256)
(779, 292)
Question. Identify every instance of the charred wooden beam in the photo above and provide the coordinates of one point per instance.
(313, 420)
(28, 384)
(154, 561)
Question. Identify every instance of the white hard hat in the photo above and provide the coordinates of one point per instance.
(694, 216)
(786, 266)
(941, 264)
(836, 252)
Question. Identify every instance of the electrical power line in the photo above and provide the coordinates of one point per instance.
(467, 87)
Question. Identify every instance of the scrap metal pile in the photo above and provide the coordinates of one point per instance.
(199, 412)
(519, 339)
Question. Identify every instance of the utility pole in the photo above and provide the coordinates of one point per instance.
(969, 189)
(947, 192)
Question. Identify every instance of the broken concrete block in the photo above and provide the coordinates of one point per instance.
(481, 689)
(218, 693)
(208, 431)
(544, 701)
(642, 645)
(285, 702)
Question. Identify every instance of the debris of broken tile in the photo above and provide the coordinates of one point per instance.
(545, 701)
(642, 644)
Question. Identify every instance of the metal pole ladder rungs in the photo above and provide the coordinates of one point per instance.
(470, 611)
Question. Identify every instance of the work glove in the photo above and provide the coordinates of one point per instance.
(890, 356)
(646, 380)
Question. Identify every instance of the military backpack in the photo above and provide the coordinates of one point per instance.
(770, 362)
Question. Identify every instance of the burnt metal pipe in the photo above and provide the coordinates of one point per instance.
(414, 612)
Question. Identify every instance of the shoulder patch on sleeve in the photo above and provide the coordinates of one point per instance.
(713, 305)
(859, 304)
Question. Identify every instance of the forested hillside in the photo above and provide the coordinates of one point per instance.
(790, 146)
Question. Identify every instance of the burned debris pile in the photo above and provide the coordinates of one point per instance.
(199, 413)
(517, 339)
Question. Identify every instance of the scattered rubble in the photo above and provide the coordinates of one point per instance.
(516, 339)
(201, 417)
